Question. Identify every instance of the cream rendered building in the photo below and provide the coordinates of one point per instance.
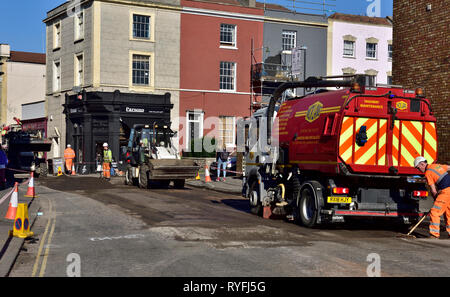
(108, 51)
(22, 83)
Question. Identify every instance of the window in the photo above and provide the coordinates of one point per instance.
(389, 80)
(228, 35)
(57, 35)
(79, 70)
(141, 70)
(194, 121)
(227, 130)
(390, 51)
(371, 80)
(56, 76)
(227, 76)
(371, 50)
(141, 26)
(288, 40)
(79, 26)
(349, 48)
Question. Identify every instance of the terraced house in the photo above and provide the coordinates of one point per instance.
(110, 64)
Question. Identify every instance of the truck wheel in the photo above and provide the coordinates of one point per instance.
(41, 170)
(143, 177)
(253, 197)
(307, 208)
(128, 177)
(178, 183)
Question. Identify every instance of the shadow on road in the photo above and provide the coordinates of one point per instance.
(238, 204)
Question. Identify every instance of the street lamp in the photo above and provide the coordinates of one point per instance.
(304, 48)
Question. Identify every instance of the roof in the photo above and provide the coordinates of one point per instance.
(272, 6)
(27, 57)
(259, 5)
(360, 19)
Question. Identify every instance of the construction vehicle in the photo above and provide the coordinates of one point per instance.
(25, 150)
(153, 159)
(344, 150)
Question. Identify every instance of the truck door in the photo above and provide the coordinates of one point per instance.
(385, 135)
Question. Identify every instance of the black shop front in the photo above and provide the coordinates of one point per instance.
(93, 118)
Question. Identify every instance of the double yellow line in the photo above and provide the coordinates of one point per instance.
(51, 222)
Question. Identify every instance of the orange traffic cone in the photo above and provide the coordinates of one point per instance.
(12, 209)
(73, 170)
(207, 177)
(30, 191)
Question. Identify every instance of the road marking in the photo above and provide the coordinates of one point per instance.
(51, 221)
(44, 262)
(130, 236)
(36, 263)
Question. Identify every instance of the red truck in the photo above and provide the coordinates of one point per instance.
(340, 153)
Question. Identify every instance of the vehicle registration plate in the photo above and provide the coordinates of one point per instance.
(334, 199)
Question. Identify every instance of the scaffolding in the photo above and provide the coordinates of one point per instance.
(267, 76)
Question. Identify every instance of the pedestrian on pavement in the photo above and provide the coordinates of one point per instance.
(107, 159)
(3, 163)
(69, 155)
(222, 162)
(439, 181)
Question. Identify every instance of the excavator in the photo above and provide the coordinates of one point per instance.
(153, 159)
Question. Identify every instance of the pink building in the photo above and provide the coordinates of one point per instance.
(360, 44)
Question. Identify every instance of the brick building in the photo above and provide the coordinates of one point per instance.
(421, 57)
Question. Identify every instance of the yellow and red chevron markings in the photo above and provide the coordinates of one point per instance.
(409, 140)
(412, 139)
(374, 151)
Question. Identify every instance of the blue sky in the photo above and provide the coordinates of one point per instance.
(23, 29)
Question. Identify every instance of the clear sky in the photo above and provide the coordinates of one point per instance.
(23, 29)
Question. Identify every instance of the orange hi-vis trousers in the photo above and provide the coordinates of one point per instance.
(69, 163)
(441, 206)
(106, 170)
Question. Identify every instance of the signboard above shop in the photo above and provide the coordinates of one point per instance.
(140, 109)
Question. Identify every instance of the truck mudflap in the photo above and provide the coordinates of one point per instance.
(376, 213)
(172, 169)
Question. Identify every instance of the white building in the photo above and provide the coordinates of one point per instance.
(360, 44)
(22, 83)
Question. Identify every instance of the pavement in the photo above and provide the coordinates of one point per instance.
(11, 246)
(231, 185)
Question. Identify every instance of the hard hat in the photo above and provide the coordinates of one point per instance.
(69, 145)
(418, 160)
(105, 144)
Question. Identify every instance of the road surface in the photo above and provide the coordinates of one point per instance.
(90, 227)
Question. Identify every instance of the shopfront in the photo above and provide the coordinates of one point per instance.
(93, 118)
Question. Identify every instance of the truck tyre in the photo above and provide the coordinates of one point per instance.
(143, 177)
(41, 170)
(129, 177)
(179, 183)
(253, 197)
(307, 209)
